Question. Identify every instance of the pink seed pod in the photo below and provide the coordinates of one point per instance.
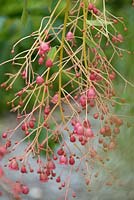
(55, 99)
(53, 174)
(58, 180)
(41, 60)
(83, 100)
(60, 152)
(112, 75)
(86, 123)
(76, 125)
(80, 130)
(102, 131)
(1, 172)
(95, 11)
(3, 85)
(51, 165)
(70, 36)
(43, 177)
(8, 143)
(3, 151)
(120, 38)
(49, 63)
(25, 189)
(72, 138)
(81, 138)
(90, 6)
(73, 194)
(96, 115)
(39, 80)
(23, 169)
(47, 110)
(63, 160)
(31, 124)
(89, 133)
(71, 161)
(47, 172)
(55, 157)
(63, 184)
(114, 39)
(91, 94)
(92, 76)
(4, 135)
(20, 93)
(24, 74)
(13, 165)
(41, 53)
(24, 127)
(73, 122)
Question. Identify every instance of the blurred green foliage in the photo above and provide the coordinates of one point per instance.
(19, 18)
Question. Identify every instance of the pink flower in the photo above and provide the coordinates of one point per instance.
(43, 48)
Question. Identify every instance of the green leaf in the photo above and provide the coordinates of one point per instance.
(24, 13)
(98, 22)
(90, 43)
(52, 53)
(53, 4)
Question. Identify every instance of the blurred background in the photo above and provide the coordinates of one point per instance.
(17, 22)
